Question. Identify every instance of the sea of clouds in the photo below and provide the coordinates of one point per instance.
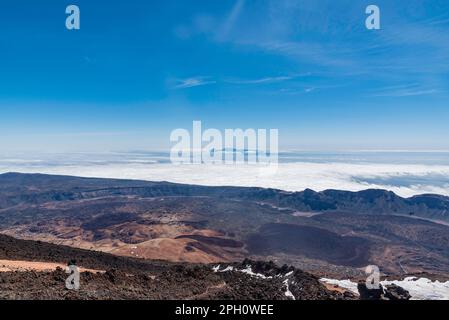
(405, 173)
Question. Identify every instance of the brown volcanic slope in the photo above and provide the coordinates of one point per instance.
(184, 223)
(129, 278)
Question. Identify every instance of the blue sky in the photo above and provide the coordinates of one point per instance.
(136, 70)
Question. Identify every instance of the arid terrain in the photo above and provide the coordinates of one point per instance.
(331, 233)
(35, 270)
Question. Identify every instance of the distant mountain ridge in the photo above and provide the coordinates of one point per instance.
(325, 232)
(38, 188)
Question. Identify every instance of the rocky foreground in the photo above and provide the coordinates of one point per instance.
(248, 281)
(35, 270)
(113, 277)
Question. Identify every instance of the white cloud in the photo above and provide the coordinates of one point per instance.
(295, 176)
(261, 80)
(408, 90)
(193, 82)
(264, 80)
(232, 18)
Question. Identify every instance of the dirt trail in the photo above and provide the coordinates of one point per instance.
(206, 293)
(23, 266)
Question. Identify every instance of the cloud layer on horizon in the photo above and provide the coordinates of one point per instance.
(404, 179)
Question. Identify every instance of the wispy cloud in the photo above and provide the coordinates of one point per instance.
(202, 81)
(322, 37)
(408, 90)
(88, 60)
(294, 31)
(232, 18)
(296, 91)
(260, 80)
(307, 90)
(193, 82)
(266, 80)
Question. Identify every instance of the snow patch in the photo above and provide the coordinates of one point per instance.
(345, 284)
(288, 293)
(423, 288)
(419, 288)
(248, 270)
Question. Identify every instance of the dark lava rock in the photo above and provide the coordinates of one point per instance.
(394, 292)
(129, 278)
(369, 294)
(280, 280)
(389, 292)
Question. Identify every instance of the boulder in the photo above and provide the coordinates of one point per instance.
(389, 292)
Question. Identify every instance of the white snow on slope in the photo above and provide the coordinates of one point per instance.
(248, 270)
(345, 284)
(423, 289)
(419, 288)
(288, 293)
